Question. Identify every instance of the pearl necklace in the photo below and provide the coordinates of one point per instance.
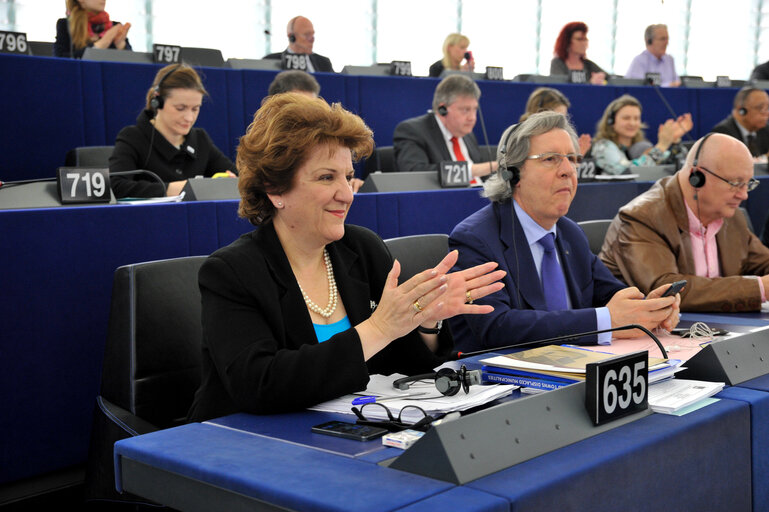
(332, 292)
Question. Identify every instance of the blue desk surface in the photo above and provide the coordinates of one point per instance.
(659, 462)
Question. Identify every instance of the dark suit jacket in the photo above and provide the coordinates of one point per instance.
(419, 146)
(760, 72)
(319, 62)
(729, 127)
(260, 352)
(436, 69)
(519, 308)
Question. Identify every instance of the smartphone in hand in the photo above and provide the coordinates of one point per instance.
(674, 288)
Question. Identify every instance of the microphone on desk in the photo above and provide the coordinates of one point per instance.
(667, 105)
(151, 174)
(21, 182)
(566, 337)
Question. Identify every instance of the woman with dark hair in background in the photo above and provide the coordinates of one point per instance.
(303, 309)
(164, 141)
(454, 52)
(570, 55)
(620, 143)
(88, 24)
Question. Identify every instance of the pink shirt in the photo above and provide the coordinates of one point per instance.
(705, 248)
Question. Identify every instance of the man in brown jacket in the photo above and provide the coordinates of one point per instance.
(688, 226)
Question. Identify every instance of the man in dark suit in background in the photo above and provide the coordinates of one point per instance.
(554, 285)
(748, 120)
(445, 133)
(301, 38)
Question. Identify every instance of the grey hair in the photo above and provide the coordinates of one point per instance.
(453, 86)
(649, 32)
(514, 148)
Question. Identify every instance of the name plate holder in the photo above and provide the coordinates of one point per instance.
(653, 79)
(454, 174)
(733, 360)
(166, 54)
(13, 42)
(83, 185)
(617, 387)
(488, 441)
(298, 61)
(400, 68)
(577, 76)
(494, 73)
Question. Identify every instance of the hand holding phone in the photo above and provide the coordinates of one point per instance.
(674, 288)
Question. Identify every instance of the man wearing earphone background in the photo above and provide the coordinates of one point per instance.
(748, 120)
(655, 59)
(687, 227)
(445, 133)
(554, 284)
(301, 38)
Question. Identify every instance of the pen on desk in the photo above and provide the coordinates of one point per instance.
(371, 398)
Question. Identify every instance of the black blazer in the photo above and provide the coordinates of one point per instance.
(260, 352)
(198, 156)
(436, 68)
(729, 127)
(319, 62)
(63, 45)
(418, 145)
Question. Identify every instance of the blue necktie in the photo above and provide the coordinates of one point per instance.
(553, 283)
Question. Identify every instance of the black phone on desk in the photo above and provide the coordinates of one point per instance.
(349, 430)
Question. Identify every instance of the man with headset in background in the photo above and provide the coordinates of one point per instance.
(301, 38)
(445, 133)
(654, 59)
(748, 120)
(687, 226)
(554, 285)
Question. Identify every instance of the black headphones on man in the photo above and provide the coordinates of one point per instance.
(697, 177)
(512, 173)
(158, 100)
(447, 381)
(442, 110)
(745, 92)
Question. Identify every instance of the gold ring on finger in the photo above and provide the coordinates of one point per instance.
(417, 306)
(469, 297)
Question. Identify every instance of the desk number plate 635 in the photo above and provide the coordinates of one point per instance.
(617, 387)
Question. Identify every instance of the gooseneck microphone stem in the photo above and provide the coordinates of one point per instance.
(667, 105)
(463, 355)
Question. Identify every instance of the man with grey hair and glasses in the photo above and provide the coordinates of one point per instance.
(688, 226)
(445, 133)
(554, 285)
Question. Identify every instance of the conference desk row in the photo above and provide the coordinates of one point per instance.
(94, 100)
(714, 458)
(56, 280)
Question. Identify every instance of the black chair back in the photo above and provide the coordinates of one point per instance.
(595, 230)
(418, 252)
(89, 156)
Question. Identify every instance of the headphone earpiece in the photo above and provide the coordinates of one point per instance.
(511, 174)
(742, 111)
(697, 177)
(442, 110)
(157, 101)
(610, 119)
(447, 381)
(291, 38)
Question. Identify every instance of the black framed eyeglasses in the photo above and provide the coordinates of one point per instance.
(749, 185)
(392, 423)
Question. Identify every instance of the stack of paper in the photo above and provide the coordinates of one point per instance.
(422, 394)
(673, 395)
(554, 366)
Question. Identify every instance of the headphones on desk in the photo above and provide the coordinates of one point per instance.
(157, 101)
(697, 177)
(447, 381)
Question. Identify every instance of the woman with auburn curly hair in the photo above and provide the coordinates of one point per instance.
(570, 55)
(303, 309)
